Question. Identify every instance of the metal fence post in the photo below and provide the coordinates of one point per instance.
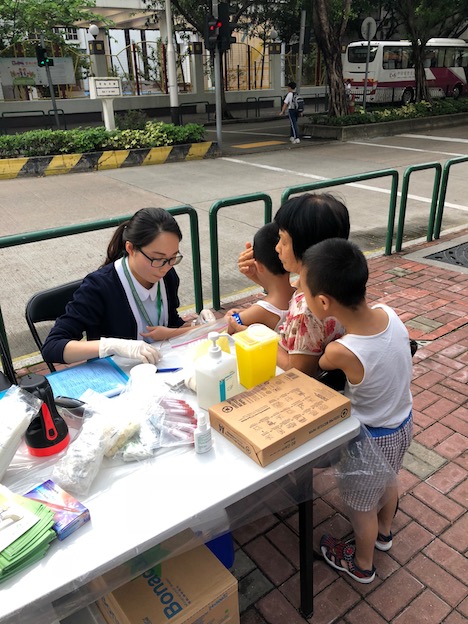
(214, 250)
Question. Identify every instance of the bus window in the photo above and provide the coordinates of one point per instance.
(407, 58)
(358, 54)
(392, 58)
(431, 58)
(449, 57)
(461, 58)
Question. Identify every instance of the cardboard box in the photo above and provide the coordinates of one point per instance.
(273, 418)
(192, 587)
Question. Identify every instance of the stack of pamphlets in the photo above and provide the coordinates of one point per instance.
(69, 513)
(25, 532)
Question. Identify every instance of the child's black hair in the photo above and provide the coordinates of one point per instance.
(337, 268)
(309, 219)
(264, 243)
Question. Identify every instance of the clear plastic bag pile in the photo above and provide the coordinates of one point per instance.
(144, 420)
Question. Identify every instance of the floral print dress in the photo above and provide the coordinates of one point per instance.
(302, 333)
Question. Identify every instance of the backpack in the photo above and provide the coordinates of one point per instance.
(298, 102)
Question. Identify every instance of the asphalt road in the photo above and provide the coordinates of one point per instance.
(257, 157)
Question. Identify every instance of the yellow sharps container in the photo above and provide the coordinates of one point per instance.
(256, 351)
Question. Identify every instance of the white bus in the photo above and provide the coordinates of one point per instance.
(391, 69)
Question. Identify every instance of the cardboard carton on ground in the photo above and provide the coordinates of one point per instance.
(191, 587)
(273, 418)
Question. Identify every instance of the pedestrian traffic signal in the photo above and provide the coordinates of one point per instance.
(212, 25)
(42, 57)
(226, 27)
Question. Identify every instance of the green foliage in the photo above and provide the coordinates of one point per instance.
(19, 19)
(379, 115)
(131, 120)
(79, 141)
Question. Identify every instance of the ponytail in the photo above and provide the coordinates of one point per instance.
(116, 248)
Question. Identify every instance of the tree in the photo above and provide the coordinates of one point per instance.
(190, 14)
(330, 21)
(421, 19)
(21, 18)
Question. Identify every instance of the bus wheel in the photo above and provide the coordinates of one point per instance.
(407, 96)
(457, 89)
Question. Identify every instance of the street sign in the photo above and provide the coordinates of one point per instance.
(100, 88)
(368, 28)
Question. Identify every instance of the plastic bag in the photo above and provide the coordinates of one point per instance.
(17, 409)
(363, 473)
(178, 423)
(77, 469)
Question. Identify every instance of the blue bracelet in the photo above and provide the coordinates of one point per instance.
(237, 318)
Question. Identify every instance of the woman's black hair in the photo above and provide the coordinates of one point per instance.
(141, 230)
(264, 243)
(310, 219)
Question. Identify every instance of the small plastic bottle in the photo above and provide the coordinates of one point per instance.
(202, 436)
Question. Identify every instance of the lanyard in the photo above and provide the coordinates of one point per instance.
(137, 299)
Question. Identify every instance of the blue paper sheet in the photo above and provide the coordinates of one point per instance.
(100, 374)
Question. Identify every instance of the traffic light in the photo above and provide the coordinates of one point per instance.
(42, 58)
(226, 27)
(212, 26)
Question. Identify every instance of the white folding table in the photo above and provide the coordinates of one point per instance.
(135, 508)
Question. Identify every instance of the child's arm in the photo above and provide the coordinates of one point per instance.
(306, 363)
(337, 356)
(248, 316)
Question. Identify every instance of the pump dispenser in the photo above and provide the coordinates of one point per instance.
(216, 375)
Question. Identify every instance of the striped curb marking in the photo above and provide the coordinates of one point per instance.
(102, 160)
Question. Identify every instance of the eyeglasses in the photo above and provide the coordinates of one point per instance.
(158, 263)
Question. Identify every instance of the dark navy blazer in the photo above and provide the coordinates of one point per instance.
(100, 308)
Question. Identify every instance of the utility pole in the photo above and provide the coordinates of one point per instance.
(51, 87)
(301, 50)
(217, 76)
(172, 68)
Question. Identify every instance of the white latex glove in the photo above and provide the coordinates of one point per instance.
(132, 349)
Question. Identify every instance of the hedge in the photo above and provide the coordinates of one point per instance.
(410, 111)
(79, 141)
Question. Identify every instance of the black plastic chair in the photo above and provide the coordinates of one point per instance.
(8, 377)
(48, 305)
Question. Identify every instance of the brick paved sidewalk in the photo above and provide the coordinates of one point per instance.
(424, 577)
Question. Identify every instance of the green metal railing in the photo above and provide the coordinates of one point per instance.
(404, 200)
(214, 248)
(80, 228)
(443, 191)
(359, 177)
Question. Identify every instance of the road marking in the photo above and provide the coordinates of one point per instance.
(261, 143)
(408, 149)
(433, 138)
(249, 132)
(365, 187)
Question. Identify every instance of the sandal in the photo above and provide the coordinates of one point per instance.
(340, 556)
(384, 542)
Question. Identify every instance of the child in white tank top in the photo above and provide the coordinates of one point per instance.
(375, 356)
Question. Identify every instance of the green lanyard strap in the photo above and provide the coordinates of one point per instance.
(137, 299)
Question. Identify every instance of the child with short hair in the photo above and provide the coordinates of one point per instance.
(274, 279)
(375, 356)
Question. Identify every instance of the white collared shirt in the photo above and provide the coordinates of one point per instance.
(147, 297)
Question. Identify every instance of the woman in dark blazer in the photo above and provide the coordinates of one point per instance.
(129, 302)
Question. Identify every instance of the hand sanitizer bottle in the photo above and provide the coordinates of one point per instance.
(215, 375)
(202, 436)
